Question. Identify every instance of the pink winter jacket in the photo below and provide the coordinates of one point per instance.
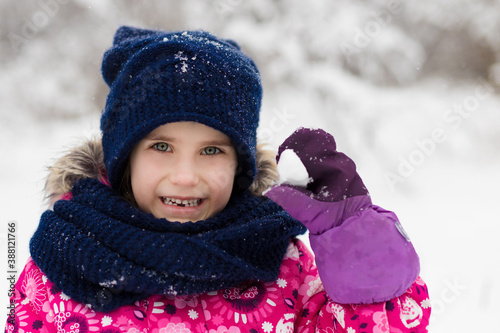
(295, 302)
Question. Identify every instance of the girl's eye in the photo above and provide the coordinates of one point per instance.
(161, 146)
(211, 151)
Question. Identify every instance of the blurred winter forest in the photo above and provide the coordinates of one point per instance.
(337, 59)
(408, 88)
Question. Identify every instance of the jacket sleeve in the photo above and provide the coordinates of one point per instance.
(27, 301)
(408, 312)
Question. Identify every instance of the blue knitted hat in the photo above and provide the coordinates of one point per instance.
(158, 77)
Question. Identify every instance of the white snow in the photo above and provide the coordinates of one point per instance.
(184, 66)
(108, 283)
(291, 170)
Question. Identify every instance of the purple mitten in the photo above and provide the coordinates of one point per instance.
(362, 252)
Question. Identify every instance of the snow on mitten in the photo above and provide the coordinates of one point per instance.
(362, 252)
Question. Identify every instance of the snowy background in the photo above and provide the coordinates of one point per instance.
(409, 90)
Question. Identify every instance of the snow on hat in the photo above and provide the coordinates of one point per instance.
(158, 77)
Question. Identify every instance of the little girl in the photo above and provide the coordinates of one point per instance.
(162, 225)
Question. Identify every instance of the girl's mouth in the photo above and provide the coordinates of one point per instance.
(181, 203)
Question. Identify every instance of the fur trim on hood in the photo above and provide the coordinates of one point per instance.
(86, 161)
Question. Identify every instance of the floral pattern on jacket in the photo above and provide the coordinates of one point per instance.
(295, 302)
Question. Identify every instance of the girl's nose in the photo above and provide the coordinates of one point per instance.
(184, 173)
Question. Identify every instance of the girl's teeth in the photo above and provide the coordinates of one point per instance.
(182, 203)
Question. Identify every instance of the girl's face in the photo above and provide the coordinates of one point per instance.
(183, 171)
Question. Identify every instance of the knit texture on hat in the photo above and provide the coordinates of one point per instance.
(160, 77)
(100, 250)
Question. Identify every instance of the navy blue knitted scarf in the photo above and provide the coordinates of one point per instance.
(100, 250)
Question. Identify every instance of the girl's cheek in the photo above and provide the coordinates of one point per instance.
(223, 168)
